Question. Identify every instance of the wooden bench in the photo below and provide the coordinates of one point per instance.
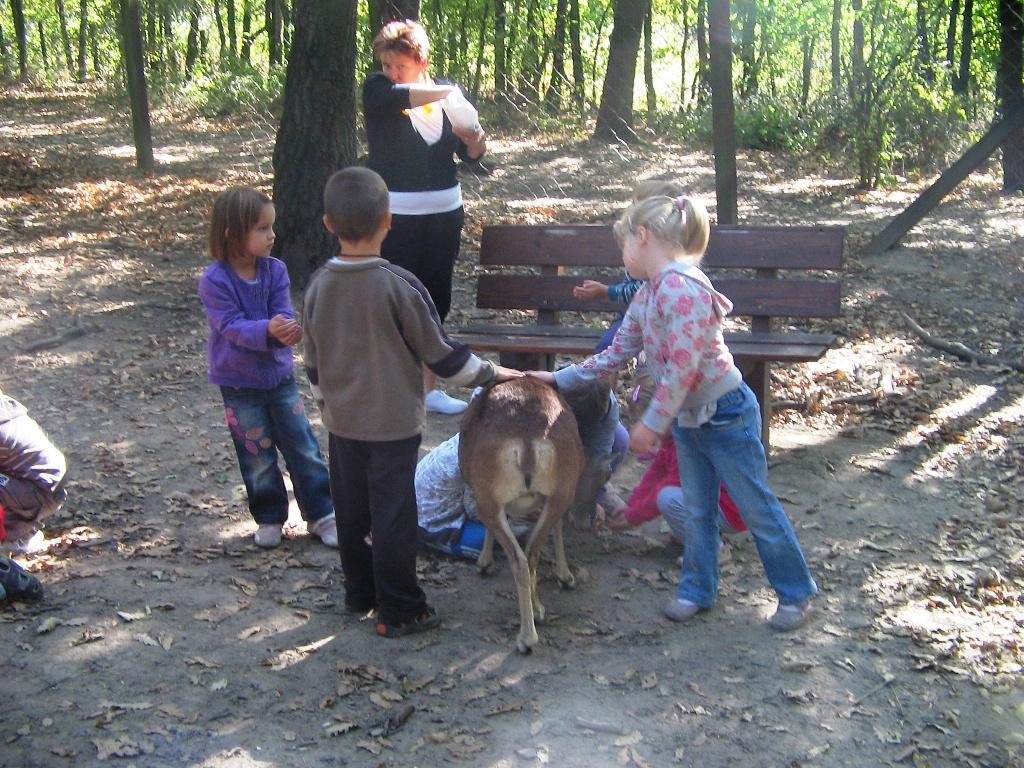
(763, 270)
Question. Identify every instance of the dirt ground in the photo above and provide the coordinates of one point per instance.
(167, 638)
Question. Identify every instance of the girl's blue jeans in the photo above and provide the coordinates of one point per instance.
(728, 449)
(263, 422)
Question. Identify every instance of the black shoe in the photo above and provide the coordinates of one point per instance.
(17, 583)
(427, 620)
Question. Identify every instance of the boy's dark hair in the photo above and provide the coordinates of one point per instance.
(235, 212)
(355, 203)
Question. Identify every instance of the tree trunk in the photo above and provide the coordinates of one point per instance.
(1010, 88)
(3, 55)
(615, 115)
(748, 76)
(806, 70)
(21, 33)
(130, 23)
(684, 12)
(246, 52)
(317, 135)
(723, 116)
(43, 50)
(579, 78)
(652, 97)
(232, 30)
(954, 15)
(83, 38)
(65, 36)
(192, 44)
(273, 13)
(700, 78)
(380, 12)
(501, 88)
(924, 48)
(553, 98)
(836, 59)
(962, 81)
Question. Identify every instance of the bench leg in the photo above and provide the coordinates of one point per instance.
(758, 377)
(527, 361)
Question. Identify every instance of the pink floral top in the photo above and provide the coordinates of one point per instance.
(676, 319)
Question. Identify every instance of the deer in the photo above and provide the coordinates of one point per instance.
(519, 450)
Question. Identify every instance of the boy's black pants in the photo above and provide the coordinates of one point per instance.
(374, 492)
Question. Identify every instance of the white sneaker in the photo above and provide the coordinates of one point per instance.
(326, 529)
(438, 402)
(268, 536)
(27, 546)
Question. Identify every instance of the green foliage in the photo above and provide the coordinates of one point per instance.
(240, 89)
(771, 124)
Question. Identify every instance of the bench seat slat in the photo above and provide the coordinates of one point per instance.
(782, 347)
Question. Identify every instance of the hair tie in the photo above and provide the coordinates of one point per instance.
(681, 202)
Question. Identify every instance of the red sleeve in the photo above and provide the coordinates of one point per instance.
(663, 472)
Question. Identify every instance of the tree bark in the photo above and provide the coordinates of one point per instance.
(130, 22)
(615, 115)
(501, 88)
(380, 12)
(21, 34)
(748, 76)
(701, 87)
(192, 44)
(553, 98)
(578, 74)
(723, 116)
(1010, 88)
(3, 55)
(836, 59)
(962, 81)
(954, 16)
(924, 48)
(317, 135)
(83, 38)
(652, 97)
(65, 36)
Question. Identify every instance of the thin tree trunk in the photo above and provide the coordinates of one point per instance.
(246, 54)
(221, 36)
(700, 78)
(501, 88)
(130, 22)
(836, 58)
(723, 116)
(684, 12)
(954, 16)
(924, 48)
(21, 34)
(232, 29)
(65, 36)
(807, 49)
(192, 44)
(3, 55)
(652, 97)
(83, 38)
(579, 77)
(43, 50)
(748, 76)
(962, 82)
(553, 98)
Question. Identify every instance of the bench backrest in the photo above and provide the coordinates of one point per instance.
(764, 252)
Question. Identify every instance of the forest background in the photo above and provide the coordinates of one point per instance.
(885, 88)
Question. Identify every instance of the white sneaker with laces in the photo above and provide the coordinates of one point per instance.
(439, 402)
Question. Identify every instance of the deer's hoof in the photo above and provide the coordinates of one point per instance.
(485, 569)
(569, 583)
(523, 648)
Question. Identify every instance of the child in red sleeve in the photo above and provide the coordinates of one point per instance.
(658, 493)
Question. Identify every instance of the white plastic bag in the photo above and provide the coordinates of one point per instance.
(460, 112)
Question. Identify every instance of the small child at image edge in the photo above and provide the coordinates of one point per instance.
(245, 292)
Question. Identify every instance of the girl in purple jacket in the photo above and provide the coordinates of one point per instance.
(252, 329)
